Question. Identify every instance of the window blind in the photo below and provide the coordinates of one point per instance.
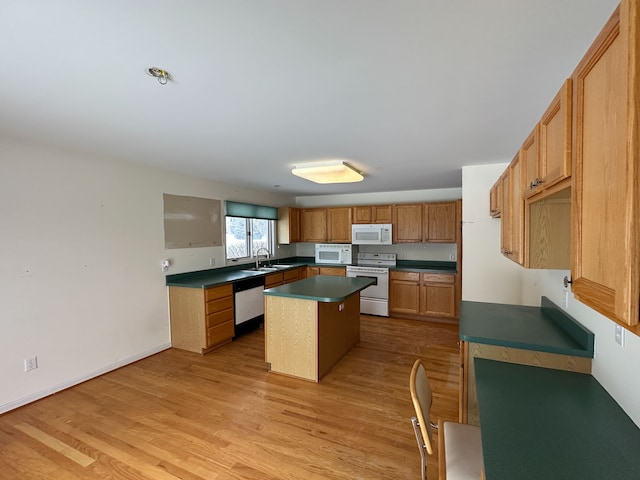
(248, 210)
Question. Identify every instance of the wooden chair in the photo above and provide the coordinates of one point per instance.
(459, 444)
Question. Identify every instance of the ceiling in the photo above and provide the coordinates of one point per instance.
(407, 91)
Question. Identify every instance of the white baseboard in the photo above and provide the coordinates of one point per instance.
(57, 388)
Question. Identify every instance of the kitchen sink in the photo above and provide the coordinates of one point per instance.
(261, 269)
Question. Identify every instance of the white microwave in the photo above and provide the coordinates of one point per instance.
(336, 253)
(371, 234)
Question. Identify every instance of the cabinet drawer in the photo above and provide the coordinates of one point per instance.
(273, 280)
(218, 305)
(407, 276)
(217, 318)
(219, 334)
(292, 275)
(438, 278)
(218, 292)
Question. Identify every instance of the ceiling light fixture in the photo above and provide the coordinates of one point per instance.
(335, 171)
(162, 75)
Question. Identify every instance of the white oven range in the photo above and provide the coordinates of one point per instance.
(374, 300)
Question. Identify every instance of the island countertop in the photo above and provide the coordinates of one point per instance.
(544, 329)
(322, 288)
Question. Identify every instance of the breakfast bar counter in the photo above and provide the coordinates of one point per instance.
(544, 423)
(311, 324)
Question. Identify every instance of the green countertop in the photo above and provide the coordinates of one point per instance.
(540, 423)
(544, 329)
(322, 288)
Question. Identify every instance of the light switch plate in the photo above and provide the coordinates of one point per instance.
(620, 335)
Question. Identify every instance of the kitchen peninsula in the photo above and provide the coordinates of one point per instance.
(311, 324)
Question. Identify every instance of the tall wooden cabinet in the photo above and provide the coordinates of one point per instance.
(606, 152)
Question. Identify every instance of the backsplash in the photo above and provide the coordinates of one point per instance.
(404, 251)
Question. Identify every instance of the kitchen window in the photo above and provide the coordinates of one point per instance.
(249, 229)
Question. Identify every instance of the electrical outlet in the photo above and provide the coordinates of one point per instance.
(165, 265)
(452, 256)
(565, 299)
(212, 261)
(30, 364)
(620, 335)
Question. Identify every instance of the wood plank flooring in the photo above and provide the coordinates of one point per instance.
(222, 416)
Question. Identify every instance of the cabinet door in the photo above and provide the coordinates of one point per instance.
(513, 224)
(407, 223)
(313, 271)
(505, 224)
(335, 271)
(339, 225)
(404, 292)
(440, 222)
(495, 200)
(313, 224)
(555, 138)
(530, 163)
(606, 151)
(273, 280)
(381, 214)
(438, 295)
(288, 225)
(362, 214)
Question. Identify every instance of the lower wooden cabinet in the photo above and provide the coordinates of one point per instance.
(286, 276)
(417, 294)
(336, 271)
(201, 320)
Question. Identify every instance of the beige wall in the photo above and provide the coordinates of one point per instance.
(82, 288)
(488, 277)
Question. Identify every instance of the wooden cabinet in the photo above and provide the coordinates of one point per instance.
(372, 214)
(425, 222)
(438, 295)
(530, 166)
(201, 320)
(495, 200)
(439, 222)
(273, 280)
(288, 225)
(339, 225)
(417, 294)
(407, 223)
(512, 226)
(285, 276)
(313, 225)
(313, 271)
(555, 138)
(336, 271)
(606, 153)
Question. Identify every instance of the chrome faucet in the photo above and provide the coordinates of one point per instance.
(258, 255)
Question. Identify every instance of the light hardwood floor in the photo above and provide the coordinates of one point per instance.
(179, 415)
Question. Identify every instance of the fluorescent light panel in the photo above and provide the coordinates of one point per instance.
(328, 172)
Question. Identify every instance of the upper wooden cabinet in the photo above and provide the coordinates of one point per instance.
(339, 224)
(313, 225)
(547, 151)
(555, 138)
(425, 222)
(606, 153)
(288, 225)
(512, 226)
(407, 223)
(440, 225)
(495, 200)
(372, 214)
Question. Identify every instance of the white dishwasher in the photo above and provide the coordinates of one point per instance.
(248, 304)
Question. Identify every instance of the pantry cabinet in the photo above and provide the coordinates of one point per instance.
(201, 319)
(416, 294)
(606, 153)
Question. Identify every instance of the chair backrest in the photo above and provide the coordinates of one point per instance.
(421, 397)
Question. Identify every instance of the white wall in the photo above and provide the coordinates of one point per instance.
(488, 277)
(81, 282)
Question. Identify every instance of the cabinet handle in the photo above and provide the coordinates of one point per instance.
(537, 182)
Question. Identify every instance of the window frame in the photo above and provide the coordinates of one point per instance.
(249, 239)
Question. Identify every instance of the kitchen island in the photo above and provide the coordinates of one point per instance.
(311, 324)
